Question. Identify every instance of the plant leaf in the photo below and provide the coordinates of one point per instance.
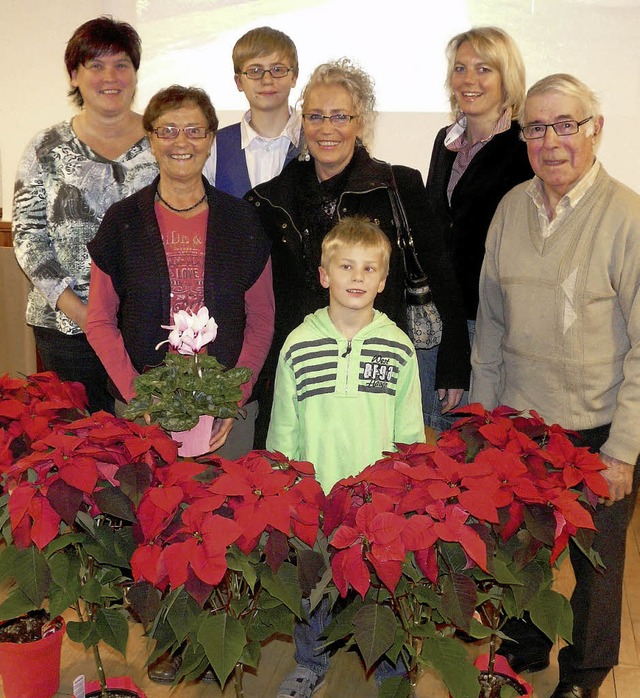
(113, 628)
(374, 631)
(284, 586)
(551, 612)
(449, 657)
(224, 640)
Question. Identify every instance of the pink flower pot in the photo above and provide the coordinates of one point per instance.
(32, 669)
(195, 442)
(123, 682)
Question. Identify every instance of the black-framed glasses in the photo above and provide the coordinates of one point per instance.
(563, 128)
(334, 119)
(257, 73)
(170, 133)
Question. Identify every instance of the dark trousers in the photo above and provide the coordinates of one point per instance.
(597, 598)
(73, 359)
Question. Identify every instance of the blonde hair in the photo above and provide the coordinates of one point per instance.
(356, 230)
(343, 73)
(499, 50)
(569, 86)
(263, 41)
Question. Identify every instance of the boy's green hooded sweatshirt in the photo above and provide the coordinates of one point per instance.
(341, 404)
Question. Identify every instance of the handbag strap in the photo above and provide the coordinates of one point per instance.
(404, 238)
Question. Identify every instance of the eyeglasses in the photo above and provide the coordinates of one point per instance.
(256, 73)
(563, 128)
(334, 119)
(170, 133)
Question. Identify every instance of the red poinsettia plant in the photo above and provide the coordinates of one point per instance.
(71, 483)
(460, 537)
(228, 547)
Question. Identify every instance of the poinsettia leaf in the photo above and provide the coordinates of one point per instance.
(85, 632)
(145, 601)
(32, 574)
(540, 523)
(65, 500)
(459, 595)
(251, 655)
(311, 566)
(551, 612)
(276, 549)
(16, 604)
(284, 585)
(269, 622)
(110, 500)
(224, 640)
(113, 628)
(396, 687)
(183, 614)
(134, 479)
(65, 588)
(449, 658)
(341, 625)
(374, 631)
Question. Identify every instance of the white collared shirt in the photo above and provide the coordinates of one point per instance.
(566, 204)
(265, 156)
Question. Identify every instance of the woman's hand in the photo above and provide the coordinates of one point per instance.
(449, 398)
(220, 432)
(71, 305)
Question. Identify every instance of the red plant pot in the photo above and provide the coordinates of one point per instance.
(194, 442)
(32, 669)
(92, 689)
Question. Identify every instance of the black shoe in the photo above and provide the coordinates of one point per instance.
(164, 669)
(522, 663)
(566, 690)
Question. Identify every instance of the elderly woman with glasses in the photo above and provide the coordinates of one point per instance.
(474, 163)
(68, 177)
(336, 177)
(180, 244)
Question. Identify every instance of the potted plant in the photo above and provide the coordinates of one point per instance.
(229, 548)
(70, 491)
(459, 536)
(190, 388)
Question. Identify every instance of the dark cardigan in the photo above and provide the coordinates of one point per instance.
(494, 170)
(128, 247)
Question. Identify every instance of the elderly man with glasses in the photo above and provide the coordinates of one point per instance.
(559, 332)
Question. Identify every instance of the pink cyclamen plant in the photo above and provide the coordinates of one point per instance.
(191, 332)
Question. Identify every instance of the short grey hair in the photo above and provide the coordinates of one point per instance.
(569, 86)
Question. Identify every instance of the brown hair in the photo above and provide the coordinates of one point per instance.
(99, 37)
(263, 41)
(356, 230)
(175, 97)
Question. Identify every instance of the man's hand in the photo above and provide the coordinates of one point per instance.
(449, 398)
(619, 477)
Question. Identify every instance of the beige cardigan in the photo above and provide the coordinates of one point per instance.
(558, 327)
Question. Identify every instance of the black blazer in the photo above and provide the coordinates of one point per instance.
(495, 169)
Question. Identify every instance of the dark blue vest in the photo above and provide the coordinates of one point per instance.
(232, 175)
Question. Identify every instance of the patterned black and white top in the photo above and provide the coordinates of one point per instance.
(62, 191)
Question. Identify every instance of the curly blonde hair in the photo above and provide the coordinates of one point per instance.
(360, 85)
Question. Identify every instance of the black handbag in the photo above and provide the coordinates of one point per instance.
(424, 324)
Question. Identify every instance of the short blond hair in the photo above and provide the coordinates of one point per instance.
(359, 84)
(263, 41)
(499, 50)
(356, 230)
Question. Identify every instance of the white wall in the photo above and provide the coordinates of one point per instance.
(597, 40)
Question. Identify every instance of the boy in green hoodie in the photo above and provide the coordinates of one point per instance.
(346, 390)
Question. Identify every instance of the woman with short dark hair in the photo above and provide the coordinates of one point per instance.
(68, 177)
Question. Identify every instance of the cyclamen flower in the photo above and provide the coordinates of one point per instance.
(191, 331)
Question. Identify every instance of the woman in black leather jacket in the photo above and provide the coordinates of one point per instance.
(336, 177)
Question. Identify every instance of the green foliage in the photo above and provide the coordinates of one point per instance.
(176, 393)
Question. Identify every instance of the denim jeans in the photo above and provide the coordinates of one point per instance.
(427, 360)
(310, 653)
